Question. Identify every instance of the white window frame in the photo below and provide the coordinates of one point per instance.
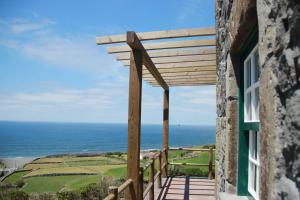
(252, 116)
(253, 162)
(250, 90)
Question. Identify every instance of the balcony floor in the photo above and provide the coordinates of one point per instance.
(187, 188)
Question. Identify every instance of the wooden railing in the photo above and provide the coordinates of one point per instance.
(210, 159)
(152, 177)
(115, 191)
(162, 165)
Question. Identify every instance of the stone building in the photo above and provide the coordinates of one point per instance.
(258, 99)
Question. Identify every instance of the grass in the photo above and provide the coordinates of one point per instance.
(58, 183)
(71, 172)
(15, 177)
(119, 172)
(59, 171)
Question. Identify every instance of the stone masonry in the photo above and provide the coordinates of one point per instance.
(278, 23)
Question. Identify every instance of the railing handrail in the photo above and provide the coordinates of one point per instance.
(115, 191)
(188, 149)
(210, 158)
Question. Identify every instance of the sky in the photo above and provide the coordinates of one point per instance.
(52, 70)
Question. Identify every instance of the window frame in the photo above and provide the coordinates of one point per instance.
(244, 126)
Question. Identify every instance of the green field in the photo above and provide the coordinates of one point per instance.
(65, 173)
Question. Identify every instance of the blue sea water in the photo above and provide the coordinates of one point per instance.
(30, 139)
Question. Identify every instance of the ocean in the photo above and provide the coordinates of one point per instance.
(34, 139)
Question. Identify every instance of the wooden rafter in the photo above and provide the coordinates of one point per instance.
(186, 84)
(176, 74)
(135, 44)
(158, 35)
(166, 45)
(169, 63)
(179, 59)
(183, 64)
(170, 53)
(182, 78)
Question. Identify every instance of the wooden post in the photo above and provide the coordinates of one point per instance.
(166, 131)
(141, 190)
(114, 190)
(151, 180)
(210, 152)
(134, 120)
(159, 169)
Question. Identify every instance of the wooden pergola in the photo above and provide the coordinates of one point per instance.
(165, 64)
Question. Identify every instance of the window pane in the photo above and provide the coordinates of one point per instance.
(256, 67)
(254, 178)
(255, 145)
(248, 107)
(248, 73)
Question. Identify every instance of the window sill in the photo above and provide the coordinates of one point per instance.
(227, 196)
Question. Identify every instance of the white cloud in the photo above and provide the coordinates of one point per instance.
(92, 104)
(39, 42)
(21, 26)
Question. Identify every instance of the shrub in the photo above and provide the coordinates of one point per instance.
(20, 183)
(42, 196)
(17, 195)
(68, 195)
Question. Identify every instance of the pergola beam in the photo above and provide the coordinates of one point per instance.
(185, 84)
(185, 69)
(167, 34)
(175, 74)
(170, 53)
(179, 59)
(166, 45)
(184, 79)
(134, 43)
(184, 64)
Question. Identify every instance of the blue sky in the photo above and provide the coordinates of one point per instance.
(52, 70)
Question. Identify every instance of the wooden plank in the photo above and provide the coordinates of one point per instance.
(151, 180)
(175, 74)
(184, 64)
(183, 77)
(171, 53)
(210, 168)
(134, 43)
(134, 120)
(165, 131)
(186, 69)
(184, 84)
(179, 59)
(166, 45)
(158, 35)
(184, 80)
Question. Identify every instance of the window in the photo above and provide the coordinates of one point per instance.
(251, 87)
(253, 167)
(251, 116)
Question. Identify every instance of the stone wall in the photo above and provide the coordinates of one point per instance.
(279, 39)
(279, 43)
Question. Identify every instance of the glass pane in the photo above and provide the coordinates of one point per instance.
(256, 67)
(248, 107)
(255, 145)
(248, 73)
(254, 178)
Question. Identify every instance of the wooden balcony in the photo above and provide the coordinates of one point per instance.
(187, 188)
